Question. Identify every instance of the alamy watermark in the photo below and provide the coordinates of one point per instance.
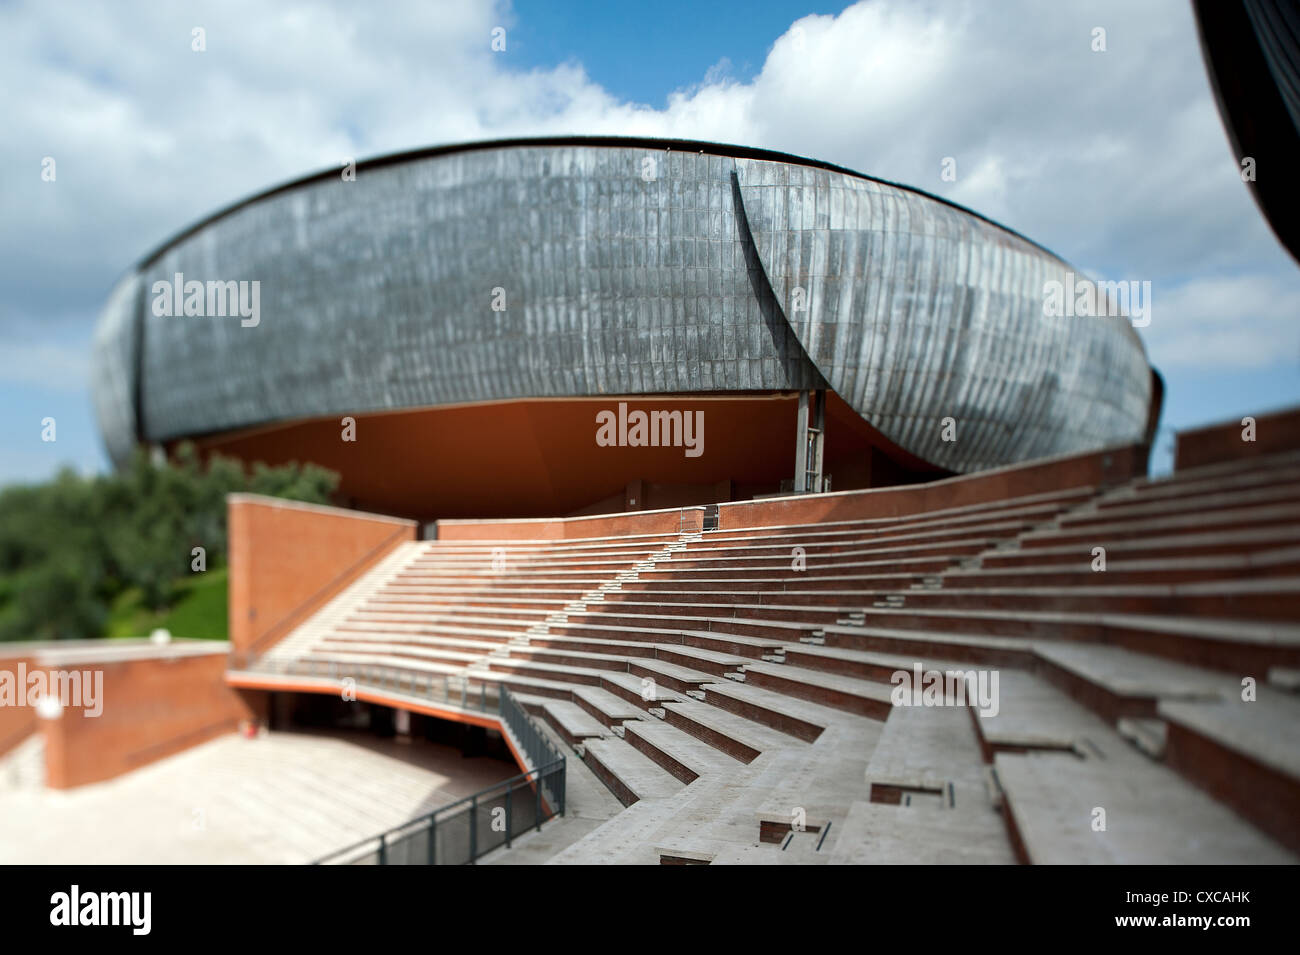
(195, 299)
(50, 692)
(921, 687)
(654, 429)
(75, 907)
(1081, 297)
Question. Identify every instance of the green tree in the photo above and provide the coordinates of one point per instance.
(71, 546)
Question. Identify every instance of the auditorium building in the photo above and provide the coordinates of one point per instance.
(449, 329)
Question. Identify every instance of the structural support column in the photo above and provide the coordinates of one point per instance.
(801, 445)
(809, 442)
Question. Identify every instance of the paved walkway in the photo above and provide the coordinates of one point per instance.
(281, 798)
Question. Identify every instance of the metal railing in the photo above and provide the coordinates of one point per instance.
(464, 831)
(537, 746)
(453, 690)
(681, 528)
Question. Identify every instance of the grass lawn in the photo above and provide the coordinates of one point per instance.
(200, 612)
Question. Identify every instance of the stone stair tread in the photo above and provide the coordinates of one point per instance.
(1034, 714)
(1266, 729)
(574, 720)
(876, 834)
(638, 772)
(635, 684)
(610, 704)
(693, 753)
(746, 731)
(1128, 673)
(1152, 815)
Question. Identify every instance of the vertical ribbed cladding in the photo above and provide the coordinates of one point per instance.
(115, 369)
(377, 294)
(917, 311)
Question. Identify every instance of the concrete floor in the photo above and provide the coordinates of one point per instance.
(285, 797)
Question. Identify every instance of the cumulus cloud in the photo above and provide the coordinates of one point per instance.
(1113, 158)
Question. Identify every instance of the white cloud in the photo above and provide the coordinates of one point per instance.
(1117, 158)
(1243, 321)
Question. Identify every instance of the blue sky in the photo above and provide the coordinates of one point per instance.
(642, 54)
(1115, 160)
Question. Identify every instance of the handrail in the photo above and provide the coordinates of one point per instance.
(455, 688)
(548, 766)
(431, 817)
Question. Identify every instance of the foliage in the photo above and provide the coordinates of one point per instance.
(73, 547)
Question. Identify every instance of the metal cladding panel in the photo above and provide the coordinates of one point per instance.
(113, 369)
(378, 294)
(624, 269)
(915, 311)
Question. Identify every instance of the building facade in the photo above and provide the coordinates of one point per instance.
(473, 310)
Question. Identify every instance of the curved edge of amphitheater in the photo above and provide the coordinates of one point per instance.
(1060, 661)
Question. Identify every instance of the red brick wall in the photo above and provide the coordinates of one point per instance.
(287, 560)
(561, 528)
(1101, 468)
(1279, 431)
(151, 708)
(19, 721)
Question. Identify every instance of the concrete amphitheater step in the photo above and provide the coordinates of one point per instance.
(738, 737)
(559, 672)
(675, 676)
(506, 618)
(895, 559)
(1216, 500)
(922, 644)
(362, 649)
(1244, 753)
(593, 646)
(610, 709)
(1033, 715)
(859, 664)
(1273, 598)
(630, 774)
(875, 834)
(1118, 683)
(641, 690)
(926, 754)
(1243, 545)
(1217, 643)
(565, 657)
(1077, 572)
(1276, 466)
(572, 722)
(938, 541)
(681, 754)
(1260, 516)
(1151, 814)
(787, 714)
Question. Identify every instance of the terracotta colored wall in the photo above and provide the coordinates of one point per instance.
(16, 722)
(152, 707)
(539, 458)
(1101, 468)
(288, 559)
(562, 528)
(1279, 431)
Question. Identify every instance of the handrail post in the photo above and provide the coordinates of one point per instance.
(383, 850)
(433, 839)
(509, 822)
(473, 829)
(539, 802)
